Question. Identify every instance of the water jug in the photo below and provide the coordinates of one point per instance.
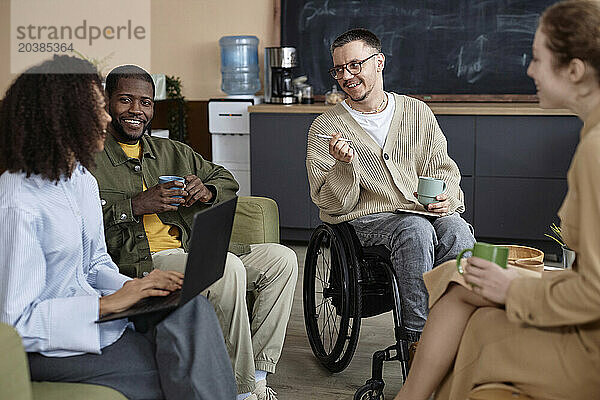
(239, 64)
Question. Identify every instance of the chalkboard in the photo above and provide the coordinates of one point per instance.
(464, 47)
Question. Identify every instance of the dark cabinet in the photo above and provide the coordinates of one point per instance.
(513, 170)
(278, 170)
(516, 208)
(460, 135)
(532, 146)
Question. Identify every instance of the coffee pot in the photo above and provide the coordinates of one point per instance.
(279, 62)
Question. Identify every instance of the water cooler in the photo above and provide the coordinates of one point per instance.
(229, 127)
(228, 118)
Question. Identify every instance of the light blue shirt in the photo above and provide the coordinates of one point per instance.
(54, 265)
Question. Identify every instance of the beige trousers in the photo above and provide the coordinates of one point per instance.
(270, 271)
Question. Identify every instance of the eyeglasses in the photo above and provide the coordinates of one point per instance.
(354, 67)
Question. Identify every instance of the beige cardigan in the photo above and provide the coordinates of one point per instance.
(379, 180)
(546, 341)
(571, 297)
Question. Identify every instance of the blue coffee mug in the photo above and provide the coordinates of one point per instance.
(170, 178)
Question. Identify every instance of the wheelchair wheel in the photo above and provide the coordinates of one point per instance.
(332, 299)
(366, 392)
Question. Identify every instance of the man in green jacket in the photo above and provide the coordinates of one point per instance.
(146, 228)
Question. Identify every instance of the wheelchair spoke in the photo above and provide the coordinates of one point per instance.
(331, 327)
(322, 281)
(325, 326)
(321, 303)
(318, 273)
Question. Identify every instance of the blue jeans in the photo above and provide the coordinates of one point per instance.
(417, 244)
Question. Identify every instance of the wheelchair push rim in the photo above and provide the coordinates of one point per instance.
(331, 300)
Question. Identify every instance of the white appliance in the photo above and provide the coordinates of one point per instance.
(229, 127)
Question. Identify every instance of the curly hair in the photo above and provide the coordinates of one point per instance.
(49, 117)
(573, 31)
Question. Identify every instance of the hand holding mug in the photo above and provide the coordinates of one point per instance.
(166, 196)
(431, 194)
(487, 280)
(486, 271)
(197, 191)
(442, 206)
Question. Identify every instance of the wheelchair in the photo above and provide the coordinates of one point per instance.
(344, 282)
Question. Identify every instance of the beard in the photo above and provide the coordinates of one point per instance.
(122, 133)
(364, 96)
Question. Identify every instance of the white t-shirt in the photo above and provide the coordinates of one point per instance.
(376, 125)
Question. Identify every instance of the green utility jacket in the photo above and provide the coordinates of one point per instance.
(120, 179)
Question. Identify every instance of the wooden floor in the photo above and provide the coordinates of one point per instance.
(300, 376)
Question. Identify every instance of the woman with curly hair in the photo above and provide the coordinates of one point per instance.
(542, 335)
(56, 277)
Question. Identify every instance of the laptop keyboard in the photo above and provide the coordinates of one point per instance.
(157, 303)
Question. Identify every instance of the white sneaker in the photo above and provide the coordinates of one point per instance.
(263, 392)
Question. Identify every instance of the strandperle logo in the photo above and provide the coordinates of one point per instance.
(88, 29)
(84, 31)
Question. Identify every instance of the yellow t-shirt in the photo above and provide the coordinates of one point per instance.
(160, 236)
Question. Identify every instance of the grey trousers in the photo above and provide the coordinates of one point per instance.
(417, 244)
(183, 358)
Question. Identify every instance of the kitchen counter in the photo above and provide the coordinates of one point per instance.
(437, 108)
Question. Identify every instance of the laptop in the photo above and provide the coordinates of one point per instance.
(211, 233)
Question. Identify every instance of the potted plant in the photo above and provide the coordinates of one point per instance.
(177, 113)
(99, 63)
(568, 255)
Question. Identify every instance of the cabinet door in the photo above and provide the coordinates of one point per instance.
(460, 134)
(278, 168)
(517, 208)
(526, 146)
(466, 184)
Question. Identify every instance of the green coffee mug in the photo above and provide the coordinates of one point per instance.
(490, 252)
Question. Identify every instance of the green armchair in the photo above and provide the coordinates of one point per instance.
(256, 221)
(16, 385)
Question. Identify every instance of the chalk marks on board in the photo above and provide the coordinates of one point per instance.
(449, 22)
(517, 23)
(431, 46)
(311, 10)
(469, 61)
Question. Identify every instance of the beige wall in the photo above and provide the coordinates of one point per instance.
(5, 76)
(185, 35)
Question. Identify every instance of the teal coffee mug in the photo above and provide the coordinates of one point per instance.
(169, 178)
(490, 252)
(428, 189)
(426, 200)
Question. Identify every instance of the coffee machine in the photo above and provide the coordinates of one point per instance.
(279, 62)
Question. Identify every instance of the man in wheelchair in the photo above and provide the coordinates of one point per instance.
(366, 171)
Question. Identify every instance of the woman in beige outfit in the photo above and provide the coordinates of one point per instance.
(541, 335)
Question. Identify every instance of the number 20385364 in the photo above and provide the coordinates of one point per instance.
(44, 47)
